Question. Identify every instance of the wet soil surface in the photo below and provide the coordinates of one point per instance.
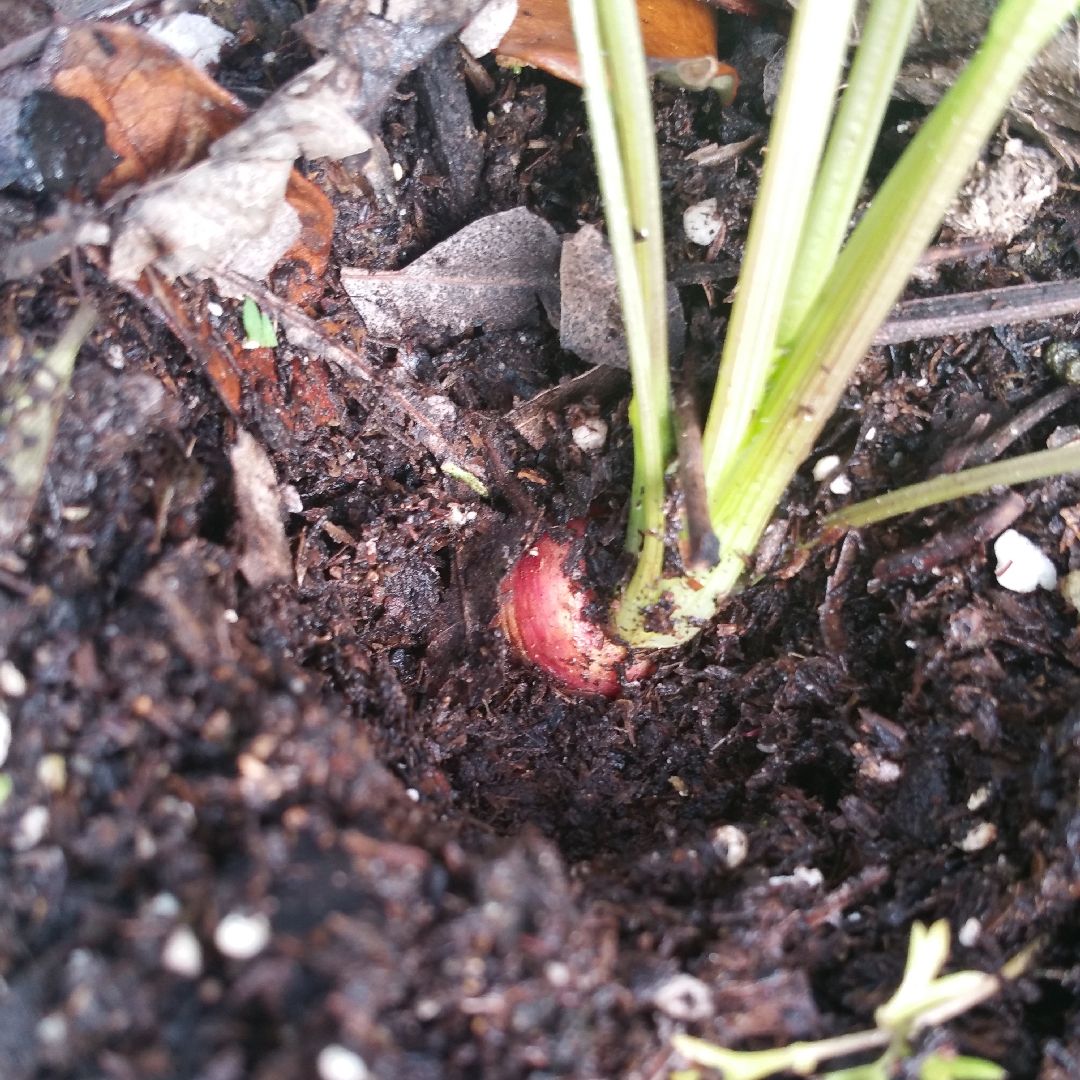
(465, 872)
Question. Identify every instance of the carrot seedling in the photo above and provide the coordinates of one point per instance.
(807, 304)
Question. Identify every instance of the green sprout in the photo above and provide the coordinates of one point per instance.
(807, 304)
(924, 999)
(456, 472)
(258, 327)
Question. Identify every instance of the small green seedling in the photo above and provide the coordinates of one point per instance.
(456, 472)
(258, 327)
(924, 999)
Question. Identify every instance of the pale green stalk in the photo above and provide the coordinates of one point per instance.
(34, 415)
(906, 500)
(854, 134)
(619, 105)
(869, 275)
(804, 111)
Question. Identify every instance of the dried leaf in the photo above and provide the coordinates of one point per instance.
(385, 46)
(679, 38)
(207, 214)
(490, 273)
(229, 212)
(591, 324)
(161, 112)
(306, 261)
(265, 557)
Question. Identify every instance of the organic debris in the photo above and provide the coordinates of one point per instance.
(591, 324)
(679, 37)
(161, 112)
(488, 274)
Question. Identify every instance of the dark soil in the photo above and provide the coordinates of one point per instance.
(468, 873)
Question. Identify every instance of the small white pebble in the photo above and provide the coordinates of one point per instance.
(702, 223)
(881, 772)
(1021, 566)
(52, 772)
(12, 680)
(215, 309)
(979, 837)
(182, 954)
(31, 828)
(685, 998)
(871, 433)
(397, 170)
(241, 937)
(290, 499)
(824, 467)
(52, 1029)
(5, 736)
(230, 615)
(590, 435)
(427, 1009)
(978, 798)
(557, 973)
(413, 794)
(969, 933)
(731, 844)
(163, 906)
(808, 876)
(841, 485)
(338, 1063)
(457, 515)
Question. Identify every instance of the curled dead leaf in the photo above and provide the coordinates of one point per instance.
(161, 112)
(679, 38)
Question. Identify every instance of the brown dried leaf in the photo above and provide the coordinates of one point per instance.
(677, 34)
(161, 112)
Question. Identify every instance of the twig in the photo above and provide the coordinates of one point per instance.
(948, 547)
(1023, 422)
(965, 312)
(704, 547)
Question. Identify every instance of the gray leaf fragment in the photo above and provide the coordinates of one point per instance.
(198, 217)
(591, 323)
(490, 273)
(265, 557)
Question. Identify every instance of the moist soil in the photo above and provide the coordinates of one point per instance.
(467, 872)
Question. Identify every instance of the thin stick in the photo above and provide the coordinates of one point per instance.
(966, 312)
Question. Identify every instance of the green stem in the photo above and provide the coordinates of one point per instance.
(906, 500)
(870, 274)
(804, 110)
(32, 427)
(801, 1057)
(617, 97)
(843, 168)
